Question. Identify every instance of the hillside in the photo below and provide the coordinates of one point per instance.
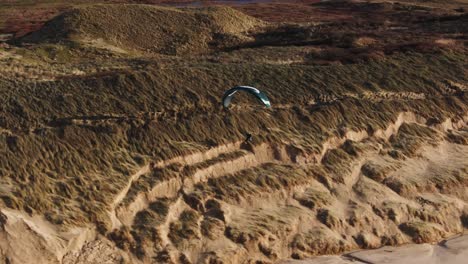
(145, 28)
(116, 148)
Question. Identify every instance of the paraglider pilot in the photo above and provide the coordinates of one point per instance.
(248, 138)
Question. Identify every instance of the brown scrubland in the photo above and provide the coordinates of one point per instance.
(115, 147)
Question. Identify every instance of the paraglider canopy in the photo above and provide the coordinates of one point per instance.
(229, 94)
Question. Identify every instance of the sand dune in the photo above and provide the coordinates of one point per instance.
(453, 250)
(115, 147)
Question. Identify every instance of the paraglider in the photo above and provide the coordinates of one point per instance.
(229, 94)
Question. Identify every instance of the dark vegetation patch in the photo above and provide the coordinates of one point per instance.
(460, 137)
(147, 181)
(374, 171)
(411, 136)
(314, 199)
(185, 228)
(143, 234)
(422, 232)
(361, 32)
(313, 243)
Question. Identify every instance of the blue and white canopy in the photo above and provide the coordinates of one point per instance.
(229, 94)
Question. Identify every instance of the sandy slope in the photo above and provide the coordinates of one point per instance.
(453, 250)
(199, 217)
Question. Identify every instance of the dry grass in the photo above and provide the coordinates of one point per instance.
(185, 229)
(421, 232)
(160, 29)
(110, 150)
(69, 145)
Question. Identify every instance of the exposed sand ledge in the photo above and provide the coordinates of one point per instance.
(32, 239)
(453, 250)
(43, 235)
(49, 244)
(124, 214)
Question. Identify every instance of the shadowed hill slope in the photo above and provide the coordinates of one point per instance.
(181, 90)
